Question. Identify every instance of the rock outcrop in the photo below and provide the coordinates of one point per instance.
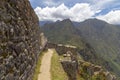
(19, 40)
(71, 69)
(89, 71)
(85, 71)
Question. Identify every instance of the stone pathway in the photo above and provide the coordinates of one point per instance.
(45, 66)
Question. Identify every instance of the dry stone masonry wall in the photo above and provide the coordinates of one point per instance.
(19, 40)
(62, 49)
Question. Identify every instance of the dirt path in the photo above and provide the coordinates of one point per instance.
(45, 66)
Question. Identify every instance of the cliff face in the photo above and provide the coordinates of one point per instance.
(19, 40)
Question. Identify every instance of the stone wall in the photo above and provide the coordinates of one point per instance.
(71, 69)
(62, 49)
(43, 41)
(19, 40)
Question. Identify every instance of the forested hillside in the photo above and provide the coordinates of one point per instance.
(102, 38)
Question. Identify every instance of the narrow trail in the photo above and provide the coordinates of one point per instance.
(45, 66)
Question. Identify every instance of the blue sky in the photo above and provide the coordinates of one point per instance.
(77, 10)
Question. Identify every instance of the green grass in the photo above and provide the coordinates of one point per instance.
(57, 72)
(37, 69)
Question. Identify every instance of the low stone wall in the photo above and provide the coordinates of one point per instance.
(62, 49)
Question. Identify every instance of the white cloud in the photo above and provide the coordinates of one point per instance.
(78, 12)
(50, 3)
(81, 12)
(112, 17)
(101, 4)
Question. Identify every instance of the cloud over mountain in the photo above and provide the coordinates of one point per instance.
(78, 12)
(55, 10)
(111, 17)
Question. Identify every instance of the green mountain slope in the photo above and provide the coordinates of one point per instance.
(97, 40)
(62, 32)
(104, 38)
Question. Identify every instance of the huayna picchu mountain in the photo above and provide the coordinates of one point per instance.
(62, 32)
(97, 41)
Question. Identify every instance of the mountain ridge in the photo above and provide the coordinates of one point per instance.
(100, 35)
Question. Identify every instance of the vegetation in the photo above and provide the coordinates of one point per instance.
(87, 73)
(63, 33)
(57, 72)
(37, 69)
(103, 38)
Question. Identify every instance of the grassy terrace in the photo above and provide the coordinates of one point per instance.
(57, 72)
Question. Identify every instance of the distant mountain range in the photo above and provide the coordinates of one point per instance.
(42, 23)
(102, 37)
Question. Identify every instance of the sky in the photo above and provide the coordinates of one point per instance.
(77, 10)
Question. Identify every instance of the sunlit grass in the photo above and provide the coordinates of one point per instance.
(57, 72)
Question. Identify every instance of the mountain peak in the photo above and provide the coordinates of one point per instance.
(94, 20)
(67, 20)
